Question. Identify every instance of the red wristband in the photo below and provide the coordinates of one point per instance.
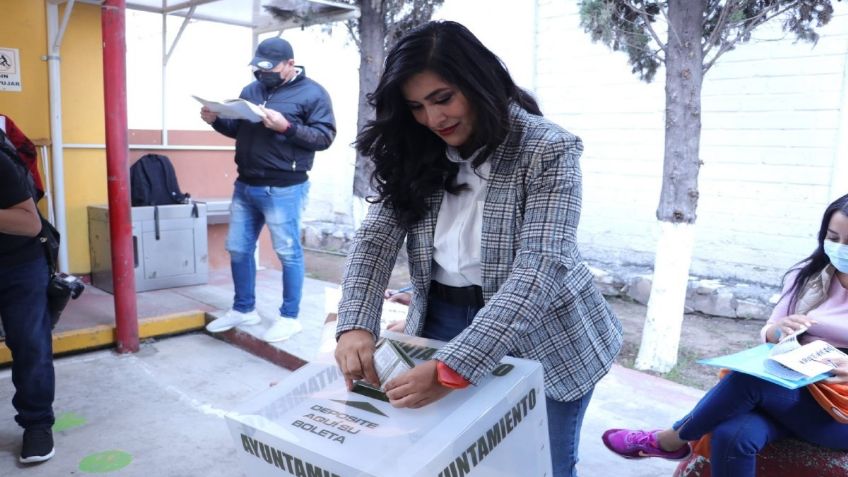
(449, 378)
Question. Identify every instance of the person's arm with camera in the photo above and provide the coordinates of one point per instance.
(20, 219)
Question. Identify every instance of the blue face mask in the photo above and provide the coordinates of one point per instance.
(838, 255)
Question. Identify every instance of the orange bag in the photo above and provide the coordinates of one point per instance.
(833, 398)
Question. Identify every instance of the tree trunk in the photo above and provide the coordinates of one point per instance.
(372, 33)
(679, 197)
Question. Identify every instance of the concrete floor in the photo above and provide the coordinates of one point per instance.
(164, 406)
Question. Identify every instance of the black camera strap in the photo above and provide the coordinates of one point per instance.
(47, 230)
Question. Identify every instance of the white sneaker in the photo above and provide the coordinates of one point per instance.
(231, 319)
(282, 329)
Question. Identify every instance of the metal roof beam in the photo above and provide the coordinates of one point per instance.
(90, 2)
(342, 12)
(329, 18)
(334, 4)
(210, 18)
(195, 16)
(179, 34)
(187, 4)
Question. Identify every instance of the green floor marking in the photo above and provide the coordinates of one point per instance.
(103, 462)
(67, 421)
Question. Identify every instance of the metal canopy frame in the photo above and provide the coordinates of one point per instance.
(250, 13)
(244, 13)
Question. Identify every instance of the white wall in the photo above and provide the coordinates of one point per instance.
(774, 141)
(211, 61)
(333, 61)
(772, 111)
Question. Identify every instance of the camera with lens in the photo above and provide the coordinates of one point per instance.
(62, 287)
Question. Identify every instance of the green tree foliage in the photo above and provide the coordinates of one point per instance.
(398, 17)
(631, 26)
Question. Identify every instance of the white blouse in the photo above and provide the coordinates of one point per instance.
(459, 226)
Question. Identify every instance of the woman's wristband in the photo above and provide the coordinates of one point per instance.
(449, 378)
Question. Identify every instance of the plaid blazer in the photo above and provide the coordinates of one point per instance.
(541, 302)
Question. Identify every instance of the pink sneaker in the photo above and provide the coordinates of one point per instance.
(640, 444)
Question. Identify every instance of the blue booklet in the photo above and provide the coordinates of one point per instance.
(760, 362)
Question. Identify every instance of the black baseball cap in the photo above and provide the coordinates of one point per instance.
(271, 52)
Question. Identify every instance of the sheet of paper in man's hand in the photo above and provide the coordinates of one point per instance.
(234, 109)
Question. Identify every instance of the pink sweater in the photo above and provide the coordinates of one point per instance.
(831, 316)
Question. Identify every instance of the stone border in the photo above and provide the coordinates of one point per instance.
(715, 297)
(709, 296)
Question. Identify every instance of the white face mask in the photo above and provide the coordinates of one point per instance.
(838, 255)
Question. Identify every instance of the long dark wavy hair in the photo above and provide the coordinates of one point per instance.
(816, 262)
(409, 159)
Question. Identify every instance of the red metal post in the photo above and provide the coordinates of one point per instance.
(117, 169)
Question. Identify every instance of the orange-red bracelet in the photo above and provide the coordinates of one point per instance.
(449, 378)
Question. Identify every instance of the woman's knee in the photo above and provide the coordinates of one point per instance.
(738, 438)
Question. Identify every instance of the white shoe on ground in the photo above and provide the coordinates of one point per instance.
(233, 318)
(282, 329)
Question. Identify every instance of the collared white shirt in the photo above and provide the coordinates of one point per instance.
(459, 226)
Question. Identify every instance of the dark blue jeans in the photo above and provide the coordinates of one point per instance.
(279, 208)
(744, 414)
(23, 309)
(445, 321)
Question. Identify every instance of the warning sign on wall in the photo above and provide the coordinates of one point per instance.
(10, 69)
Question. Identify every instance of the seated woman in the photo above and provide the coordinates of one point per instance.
(744, 413)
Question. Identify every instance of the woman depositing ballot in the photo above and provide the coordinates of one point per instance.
(487, 194)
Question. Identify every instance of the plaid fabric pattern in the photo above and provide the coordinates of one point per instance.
(540, 300)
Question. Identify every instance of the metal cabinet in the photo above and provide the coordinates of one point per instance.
(169, 246)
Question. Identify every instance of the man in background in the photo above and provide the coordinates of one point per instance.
(24, 277)
(273, 158)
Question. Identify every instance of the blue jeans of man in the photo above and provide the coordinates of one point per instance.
(744, 414)
(23, 309)
(279, 208)
(444, 321)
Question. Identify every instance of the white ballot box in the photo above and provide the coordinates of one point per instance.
(310, 425)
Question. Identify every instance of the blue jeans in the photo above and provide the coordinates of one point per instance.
(279, 208)
(444, 321)
(744, 414)
(23, 309)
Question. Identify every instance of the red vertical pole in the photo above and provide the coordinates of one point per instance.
(117, 169)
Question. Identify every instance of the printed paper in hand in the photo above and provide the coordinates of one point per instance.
(234, 109)
(787, 363)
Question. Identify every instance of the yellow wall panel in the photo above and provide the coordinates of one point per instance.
(82, 123)
(25, 28)
(82, 78)
(85, 179)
